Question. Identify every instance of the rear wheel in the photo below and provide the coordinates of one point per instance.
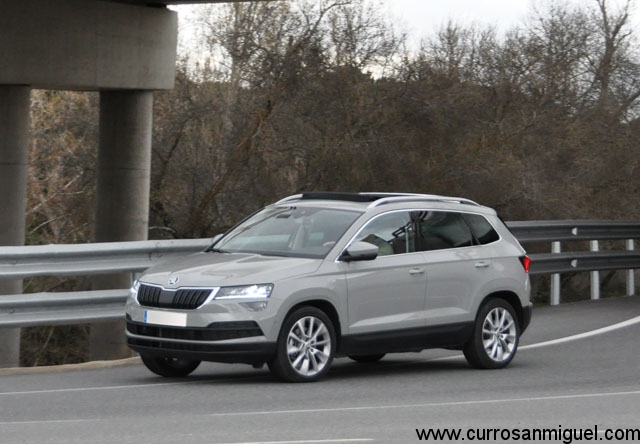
(495, 336)
(364, 359)
(169, 367)
(305, 347)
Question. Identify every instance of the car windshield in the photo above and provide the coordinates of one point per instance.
(288, 231)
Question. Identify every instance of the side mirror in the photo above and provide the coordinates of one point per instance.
(359, 251)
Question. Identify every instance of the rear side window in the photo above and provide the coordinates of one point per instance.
(481, 228)
(439, 230)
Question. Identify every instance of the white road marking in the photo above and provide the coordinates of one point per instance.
(82, 389)
(118, 387)
(380, 407)
(588, 334)
(432, 404)
(313, 441)
(52, 421)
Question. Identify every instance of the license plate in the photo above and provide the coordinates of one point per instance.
(165, 318)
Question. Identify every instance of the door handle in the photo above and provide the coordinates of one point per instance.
(483, 264)
(416, 271)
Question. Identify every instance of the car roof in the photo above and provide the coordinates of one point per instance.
(369, 200)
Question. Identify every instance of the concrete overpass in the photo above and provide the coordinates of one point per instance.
(123, 49)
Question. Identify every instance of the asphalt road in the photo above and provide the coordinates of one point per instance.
(578, 367)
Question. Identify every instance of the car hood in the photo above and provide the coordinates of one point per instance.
(224, 269)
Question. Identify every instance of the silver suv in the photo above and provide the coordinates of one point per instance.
(322, 275)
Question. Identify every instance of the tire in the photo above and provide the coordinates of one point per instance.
(366, 359)
(496, 335)
(306, 346)
(169, 367)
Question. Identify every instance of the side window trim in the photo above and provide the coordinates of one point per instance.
(408, 212)
(413, 215)
(443, 241)
(466, 217)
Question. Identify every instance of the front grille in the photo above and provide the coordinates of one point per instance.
(149, 296)
(185, 299)
(217, 331)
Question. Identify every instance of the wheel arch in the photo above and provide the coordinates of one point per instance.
(326, 307)
(512, 299)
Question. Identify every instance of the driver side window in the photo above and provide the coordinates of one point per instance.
(392, 233)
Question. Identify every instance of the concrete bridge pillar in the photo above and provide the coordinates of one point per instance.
(123, 49)
(122, 204)
(14, 136)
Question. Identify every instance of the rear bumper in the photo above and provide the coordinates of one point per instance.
(527, 312)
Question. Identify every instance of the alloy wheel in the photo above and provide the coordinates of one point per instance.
(499, 334)
(308, 346)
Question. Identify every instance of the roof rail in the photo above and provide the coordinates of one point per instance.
(332, 195)
(421, 198)
(289, 199)
(374, 199)
(387, 194)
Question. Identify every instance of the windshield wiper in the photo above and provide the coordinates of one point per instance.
(215, 250)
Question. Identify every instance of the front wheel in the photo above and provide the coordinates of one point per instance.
(495, 336)
(305, 347)
(169, 367)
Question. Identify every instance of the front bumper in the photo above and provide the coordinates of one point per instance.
(229, 342)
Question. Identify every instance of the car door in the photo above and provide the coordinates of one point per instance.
(456, 267)
(387, 293)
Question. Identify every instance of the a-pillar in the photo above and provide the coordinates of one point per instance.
(14, 136)
(122, 203)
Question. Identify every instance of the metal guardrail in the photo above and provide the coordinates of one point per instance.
(77, 307)
(91, 259)
(594, 261)
(570, 230)
(59, 308)
(103, 305)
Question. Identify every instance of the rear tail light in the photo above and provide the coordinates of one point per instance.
(526, 262)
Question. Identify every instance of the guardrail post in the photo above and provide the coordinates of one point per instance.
(631, 285)
(555, 278)
(595, 275)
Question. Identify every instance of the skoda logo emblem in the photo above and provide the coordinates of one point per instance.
(174, 280)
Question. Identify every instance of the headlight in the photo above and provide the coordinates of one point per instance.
(133, 291)
(261, 291)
